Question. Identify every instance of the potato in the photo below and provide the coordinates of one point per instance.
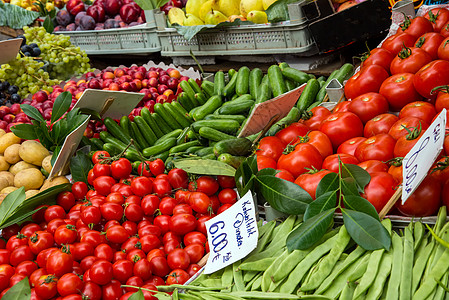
(55, 181)
(3, 183)
(12, 154)
(33, 152)
(29, 178)
(46, 163)
(7, 140)
(21, 165)
(8, 176)
(8, 190)
(31, 193)
(4, 166)
(2, 132)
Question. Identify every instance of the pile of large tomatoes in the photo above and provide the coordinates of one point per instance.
(142, 231)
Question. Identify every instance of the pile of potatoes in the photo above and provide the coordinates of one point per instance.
(20, 165)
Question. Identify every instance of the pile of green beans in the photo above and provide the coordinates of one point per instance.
(415, 267)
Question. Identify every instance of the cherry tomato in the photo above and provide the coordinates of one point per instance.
(141, 186)
(16, 241)
(424, 201)
(81, 250)
(368, 106)
(272, 146)
(182, 223)
(409, 60)
(46, 287)
(69, 284)
(177, 276)
(204, 184)
(201, 227)
(111, 211)
(59, 263)
(157, 167)
(182, 208)
(309, 181)
(133, 212)
(100, 156)
(200, 202)
(149, 242)
(65, 234)
(380, 189)
(20, 254)
(102, 170)
(368, 79)
(226, 181)
(144, 169)
(378, 147)
(162, 222)
(66, 200)
(161, 187)
(93, 237)
(112, 290)
(26, 268)
(101, 272)
(178, 259)
(92, 291)
(341, 126)
(54, 212)
(117, 234)
(178, 178)
(195, 252)
(227, 196)
(159, 266)
(142, 268)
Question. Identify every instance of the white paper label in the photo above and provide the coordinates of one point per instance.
(232, 235)
(9, 50)
(421, 157)
(263, 112)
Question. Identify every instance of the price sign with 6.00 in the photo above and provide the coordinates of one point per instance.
(232, 235)
(420, 158)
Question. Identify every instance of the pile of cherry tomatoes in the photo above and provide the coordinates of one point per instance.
(124, 230)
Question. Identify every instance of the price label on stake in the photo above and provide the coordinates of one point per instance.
(420, 158)
(263, 112)
(232, 235)
(9, 50)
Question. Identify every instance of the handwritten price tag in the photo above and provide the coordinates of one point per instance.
(232, 235)
(418, 161)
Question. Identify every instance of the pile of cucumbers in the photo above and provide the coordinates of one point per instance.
(204, 121)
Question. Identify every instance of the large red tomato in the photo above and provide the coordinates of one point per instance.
(291, 134)
(350, 145)
(416, 26)
(373, 165)
(442, 100)
(369, 105)
(430, 42)
(409, 60)
(379, 147)
(380, 124)
(395, 42)
(419, 109)
(399, 90)
(318, 114)
(398, 128)
(309, 181)
(380, 189)
(368, 79)
(379, 56)
(304, 156)
(264, 162)
(425, 201)
(443, 49)
(321, 142)
(406, 142)
(341, 126)
(438, 16)
(332, 162)
(271, 146)
(435, 73)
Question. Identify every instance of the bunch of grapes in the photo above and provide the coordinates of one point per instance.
(66, 60)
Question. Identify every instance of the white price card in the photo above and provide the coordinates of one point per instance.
(9, 49)
(111, 104)
(421, 157)
(263, 112)
(232, 235)
(68, 149)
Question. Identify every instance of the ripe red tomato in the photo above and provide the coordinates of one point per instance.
(117, 234)
(340, 127)
(395, 42)
(178, 259)
(331, 162)
(380, 189)
(380, 124)
(92, 291)
(378, 147)
(52, 212)
(112, 290)
(141, 186)
(46, 286)
(379, 56)
(406, 142)
(16, 241)
(409, 60)
(438, 17)
(142, 268)
(286, 175)
(182, 223)
(133, 212)
(226, 181)
(435, 73)
(26, 268)
(200, 202)
(310, 181)
(442, 101)
(227, 196)
(201, 227)
(111, 211)
(318, 114)
(272, 146)
(195, 252)
(101, 272)
(178, 178)
(430, 42)
(320, 141)
(416, 26)
(102, 170)
(103, 184)
(91, 215)
(419, 109)
(65, 234)
(368, 79)
(399, 90)
(195, 237)
(424, 201)
(81, 250)
(205, 184)
(167, 205)
(121, 168)
(177, 276)
(66, 200)
(99, 156)
(69, 284)
(302, 157)
(289, 135)
(161, 187)
(350, 145)
(93, 238)
(20, 254)
(396, 172)
(182, 208)
(157, 167)
(264, 162)
(398, 128)
(368, 106)
(59, 263)
(162, 221)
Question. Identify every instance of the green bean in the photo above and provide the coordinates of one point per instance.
(227, 278)
(437, 251)
(191, 297)
(376, 289)
(211, 282)
(263, 229)
(437, 272)
(249, 275)
(396, 268)
(284, 229)
(266, 277)
(420, 265)
(199, 279)
(309, 275)
(361, 268)
(422, 246)
(260, 265)
(276, 287)
(171, 288)
(328, 263)
(256, 284)
(250, 283)
(239, 284)
(348, 291)
(280, 245)
(266, 238)
(441, 220)
(175, 295)
(418, 234)
(262, 295)
(440, 292)
(300, 270)
(226, 296)
(353, 256)
(405, 288)
(339, 282)
(371, 272)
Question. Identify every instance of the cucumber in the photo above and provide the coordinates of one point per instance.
(145, 130)
(308, 95)
(161, 123)
(264, 93)
(182, 119)
(193, 149)
(231, 73)
(236, 108)
(208, 88)
(181, 109)
(293, 116)
(205, 151)
(242, 85)
(291, 85)
(322, 93)
(213, 134)
(276, 80)
(171, 121)
(219, 83)
(115, 130)
(209, 107)
(133, 155)
(196, 88)
(201, 98)
(163, 146)
(344, 73)
(227, 126)
(188, 90)
(172, 134)
(238, 118)
(239, 98)
(108, 138)
(124, 124)
(283, 65)
(237, 146)
(139, 140)
(295, 75)
(163, 156)
(321, 79)
(145, 113)
(111, 149)
(185, 101)
(255, 78)
(229, 89)
(233, 161)
(184, 147)
(182, 138)
(97, 143)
